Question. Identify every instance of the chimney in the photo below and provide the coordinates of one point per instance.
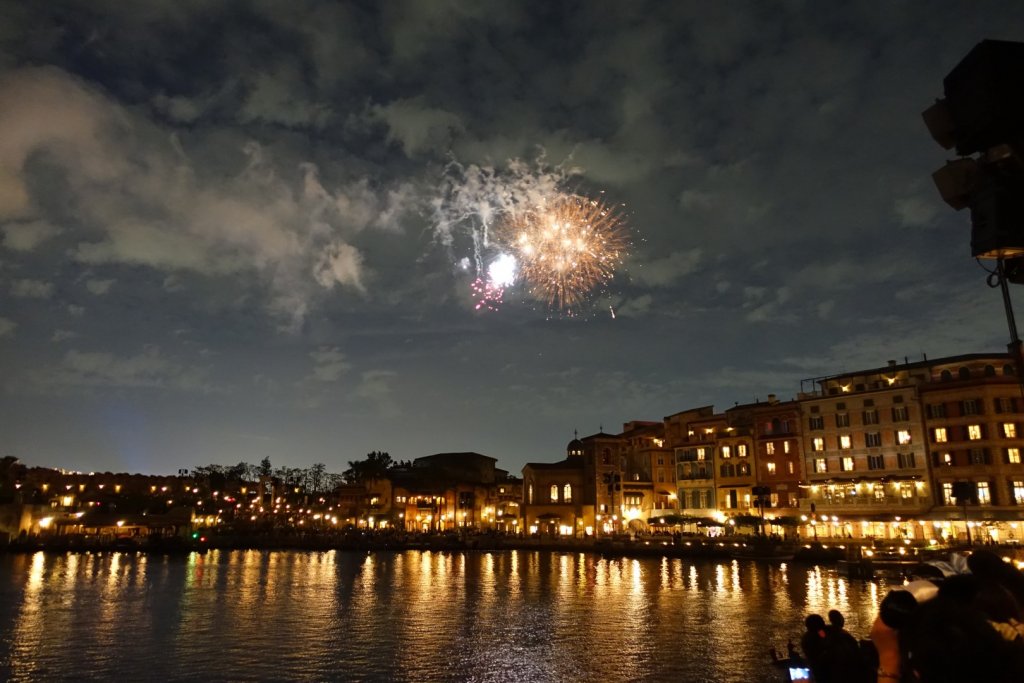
(771, 399)
(892, 364)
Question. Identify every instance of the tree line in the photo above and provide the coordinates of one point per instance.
(312, 479)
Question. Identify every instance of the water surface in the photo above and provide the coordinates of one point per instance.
(407, 616)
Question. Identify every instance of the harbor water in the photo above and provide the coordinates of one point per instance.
(407, 616)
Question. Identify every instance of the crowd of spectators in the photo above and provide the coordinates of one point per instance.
(963, 623)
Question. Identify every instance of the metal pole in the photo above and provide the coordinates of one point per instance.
(1015, 343)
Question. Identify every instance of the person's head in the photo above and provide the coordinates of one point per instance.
(948, 640)
(814, 622)
(836, 618)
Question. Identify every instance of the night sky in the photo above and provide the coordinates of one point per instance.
(233, 230)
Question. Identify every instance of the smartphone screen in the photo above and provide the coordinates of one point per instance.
(799, 673)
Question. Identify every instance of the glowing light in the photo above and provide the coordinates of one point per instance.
(566, 248)
(488, 297)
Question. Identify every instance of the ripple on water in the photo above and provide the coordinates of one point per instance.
(407, 616)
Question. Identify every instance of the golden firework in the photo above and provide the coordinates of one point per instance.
(567, 248)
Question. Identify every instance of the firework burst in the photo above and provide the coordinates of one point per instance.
(522, 230)
(566, 248)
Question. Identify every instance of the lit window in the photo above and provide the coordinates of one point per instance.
(741, 450)
(907, 491)
(903, 436)
(769, 448)
(785, 447)
(554, 493)
(974, 432)
(947, 458)
(984, 496)
(845, 442)
(567, 493)
(846, 464)
(789, 466)
(1010, 430)
(771, 467)
(818, 444)
(701, 454)
(820, 465)
(1013, 456)
(1018, 491)
(947, 493)
(726, 451)
(529, 494)
(940, 435)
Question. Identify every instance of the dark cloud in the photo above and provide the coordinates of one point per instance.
(226, 215)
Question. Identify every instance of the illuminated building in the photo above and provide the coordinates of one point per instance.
(691, 436)
(554, 499)
(974, 418)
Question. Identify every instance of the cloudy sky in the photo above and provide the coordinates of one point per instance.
(237, 230)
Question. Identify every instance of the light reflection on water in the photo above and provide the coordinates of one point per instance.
(407, 616)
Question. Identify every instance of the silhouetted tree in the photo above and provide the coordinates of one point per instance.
(316, 477)
(265, 468)
(376, 466)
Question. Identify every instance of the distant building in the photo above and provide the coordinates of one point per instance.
(447, 491)
(553, 496)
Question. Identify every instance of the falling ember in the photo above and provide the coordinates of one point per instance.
(488, 295)
(566, 248)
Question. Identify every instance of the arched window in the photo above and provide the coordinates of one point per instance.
(946, 375)
(529, 494)
(1008, 370)
(990, 371)
(606, 456)
(554, 493)
(964, 373)
(567, 493)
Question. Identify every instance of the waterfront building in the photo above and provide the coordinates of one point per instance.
(863, 438)
(647, 470)
(553, 496)
(445, 491)
(690, 435)
(779, 459)
(603, 473)
(735, 469)
(974, 416)
(506, 510)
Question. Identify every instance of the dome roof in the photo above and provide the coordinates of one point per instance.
(575, 447)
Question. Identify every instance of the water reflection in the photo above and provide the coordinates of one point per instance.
(405, 616)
